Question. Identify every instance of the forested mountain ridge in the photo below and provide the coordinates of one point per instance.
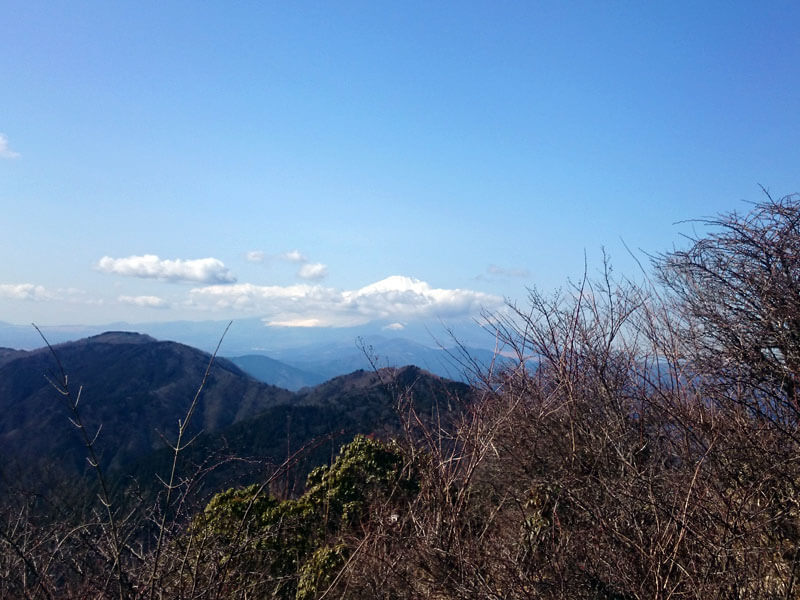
(132, 387)
(315, 423)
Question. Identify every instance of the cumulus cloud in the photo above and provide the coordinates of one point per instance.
(313, 271)
(39, 293)
(395, 298)
(256, 256)
(24, 291)
(259, 298)
(294, 256)
(150, 266)
(145, 301)
(5, 151)
(394, 327)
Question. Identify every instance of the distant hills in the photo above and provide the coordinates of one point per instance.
(273, 371)
(324, 361)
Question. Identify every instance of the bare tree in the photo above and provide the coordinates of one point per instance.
(737, 292)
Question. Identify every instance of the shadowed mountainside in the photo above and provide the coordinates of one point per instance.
(362, 402)
(135, 386)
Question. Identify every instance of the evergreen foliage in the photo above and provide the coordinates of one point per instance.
(298, 545)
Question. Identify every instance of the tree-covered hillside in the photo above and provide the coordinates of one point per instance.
(133, 390)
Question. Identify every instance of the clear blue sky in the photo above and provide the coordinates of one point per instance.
(333, 163)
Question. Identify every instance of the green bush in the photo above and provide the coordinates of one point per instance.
(298, 546)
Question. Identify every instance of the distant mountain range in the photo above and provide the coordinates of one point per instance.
(316, 363)
(252, 336)
(307, 356)
(275, 372)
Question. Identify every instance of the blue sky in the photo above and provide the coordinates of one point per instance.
(331, 164)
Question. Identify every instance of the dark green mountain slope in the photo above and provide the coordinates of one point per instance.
(323, 417)
(373, 396)
(136, 387)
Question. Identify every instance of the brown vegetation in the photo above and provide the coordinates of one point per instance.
(645, 445)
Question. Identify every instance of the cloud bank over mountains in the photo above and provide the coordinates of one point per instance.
(145, 301)
(394, 301)
(395, 298)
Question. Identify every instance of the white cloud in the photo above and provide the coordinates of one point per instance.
(259, 298)
(32, 292)
(5, 151)
(394, 327)
(24, 291)
(145, 301)
(256, 256)
(297, 323)
(395, 298)
(294, 256)
(313, 271)
(150, 266)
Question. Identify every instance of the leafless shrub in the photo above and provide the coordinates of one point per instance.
(636, 451)
(643, 445)
(737, 294)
